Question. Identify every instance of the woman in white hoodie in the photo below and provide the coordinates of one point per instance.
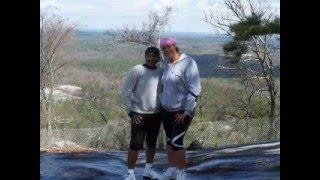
(181, 87)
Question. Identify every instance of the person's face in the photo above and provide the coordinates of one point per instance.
(168, 51)
(151, 59)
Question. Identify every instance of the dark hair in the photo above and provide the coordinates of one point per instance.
(177, 49)
(153, 50)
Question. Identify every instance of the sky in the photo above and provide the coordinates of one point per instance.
(187, 16)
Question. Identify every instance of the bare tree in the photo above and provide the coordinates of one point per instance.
(252, 26)
(55, 32)
(150, 32)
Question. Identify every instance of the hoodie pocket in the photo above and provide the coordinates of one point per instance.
(179, 81)
(178, 75)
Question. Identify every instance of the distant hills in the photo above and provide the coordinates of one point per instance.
(208, 65)
(197, 42)
(178, 35)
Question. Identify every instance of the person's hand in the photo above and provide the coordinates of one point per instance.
(136, 119)
(179, 118)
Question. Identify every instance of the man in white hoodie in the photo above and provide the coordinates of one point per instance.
(140, 97)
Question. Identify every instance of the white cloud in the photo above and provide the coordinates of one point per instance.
(50, 3)
(101, 14)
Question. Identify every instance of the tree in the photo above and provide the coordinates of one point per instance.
(150, 32)
(55, 33)
(255, 30)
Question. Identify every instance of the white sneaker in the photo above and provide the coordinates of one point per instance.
(150, 173)
(130, 177)
(168, 174)
(181, 175)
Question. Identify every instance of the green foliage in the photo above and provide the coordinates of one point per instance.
(254, 25)
(234, 50)
(225, 96)
(260, 106)
(216, 98)
(231, 46)
(66, 114)
(273, 27)
(244, 30)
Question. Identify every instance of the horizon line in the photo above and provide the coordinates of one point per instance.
(102, 30)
